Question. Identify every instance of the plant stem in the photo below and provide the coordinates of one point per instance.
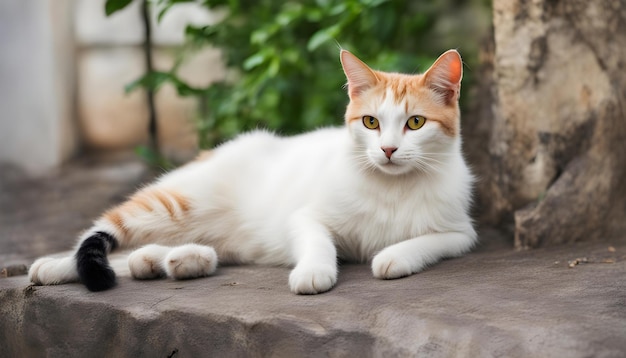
(147, 47)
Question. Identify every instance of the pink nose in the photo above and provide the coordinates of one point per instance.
(388, 151)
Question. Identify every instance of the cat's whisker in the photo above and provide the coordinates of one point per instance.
(425, 166)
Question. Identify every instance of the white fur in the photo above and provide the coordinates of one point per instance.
(303, 201)
(190, 261)
(148, 262)
(53, 271)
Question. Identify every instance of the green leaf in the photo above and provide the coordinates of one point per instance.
(254, 61)
(153, 159)
(338, 9)
(274, 67)
(113, 6)
(322, 36)
(259, 36)
(152, 80)
(168, 6)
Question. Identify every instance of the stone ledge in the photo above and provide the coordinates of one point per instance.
(490, 303)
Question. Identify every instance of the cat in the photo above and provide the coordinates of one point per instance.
(390, 187)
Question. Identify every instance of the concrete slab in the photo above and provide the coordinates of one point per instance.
(500, 303)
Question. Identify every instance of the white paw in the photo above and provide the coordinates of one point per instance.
(309, 279)
(147, 262)
(33, 272)
(389, 265)
(190, 261)
(51, 271)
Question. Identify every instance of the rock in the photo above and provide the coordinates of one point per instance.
(556, 147)
(489, 303)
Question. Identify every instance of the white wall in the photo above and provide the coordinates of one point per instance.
(37, 128)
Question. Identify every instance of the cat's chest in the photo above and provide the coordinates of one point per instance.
(367, 221)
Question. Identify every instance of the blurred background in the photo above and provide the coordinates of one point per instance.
(76, 77)
(99, 96)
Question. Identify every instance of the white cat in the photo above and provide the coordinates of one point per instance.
(391, 186)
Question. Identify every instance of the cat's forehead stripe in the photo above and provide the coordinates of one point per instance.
(400, 95)
(410, 90)
(400, 85)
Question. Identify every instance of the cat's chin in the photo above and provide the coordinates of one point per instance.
(390, 168)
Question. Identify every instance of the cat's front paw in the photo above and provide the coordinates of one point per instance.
(310, 279)
(190, 261)
(389, 265)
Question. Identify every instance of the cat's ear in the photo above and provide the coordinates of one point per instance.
(444, 76)
(360, 77)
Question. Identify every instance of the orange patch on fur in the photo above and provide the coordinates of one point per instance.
(140, 201)
(114, 216)
(180, 200)
(398, 88)
(145, 201)
(411, 89)
(162, 198)
(445, 127)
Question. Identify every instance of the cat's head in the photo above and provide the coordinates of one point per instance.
(403, 123)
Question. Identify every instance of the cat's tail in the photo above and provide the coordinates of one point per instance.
(92, 264)
(151, 215)
(89, 263)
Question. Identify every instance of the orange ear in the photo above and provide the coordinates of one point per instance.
(444, 76)
(360, 77)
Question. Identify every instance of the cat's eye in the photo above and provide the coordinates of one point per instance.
(416, 122)
(370, 122)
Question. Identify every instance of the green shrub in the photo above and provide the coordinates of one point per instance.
(284, 56)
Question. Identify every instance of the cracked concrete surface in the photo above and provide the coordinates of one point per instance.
(492, 302)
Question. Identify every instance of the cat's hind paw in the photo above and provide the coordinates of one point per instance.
(190, 261)
(306, 279)
(147, 262)
(53, 271)
(388, 266)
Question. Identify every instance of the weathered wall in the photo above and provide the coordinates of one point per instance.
(557, 141)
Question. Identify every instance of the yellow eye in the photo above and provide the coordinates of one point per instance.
(370, 122)
(416, 122)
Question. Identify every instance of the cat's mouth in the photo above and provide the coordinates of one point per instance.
(391, 167)
(390, 162)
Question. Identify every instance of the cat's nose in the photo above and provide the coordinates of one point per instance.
(388, 151)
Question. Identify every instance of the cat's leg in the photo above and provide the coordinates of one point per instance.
(411, 256)
(53, 271)
(190, 261)
(315, 256)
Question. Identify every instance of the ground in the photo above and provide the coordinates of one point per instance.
(561, 301)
